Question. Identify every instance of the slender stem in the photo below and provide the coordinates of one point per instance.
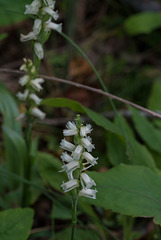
(74, 216)
(26, 195)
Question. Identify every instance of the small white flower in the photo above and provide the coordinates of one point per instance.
(27, 37)
(36, 112)
(53, 26)
(84, 130)
(49, 11)
(72, 129)
(86, 142)
(23, 96)
(89, 158)
(39, 50)
(70, 167)
(35, 83)
(33, 8)
(85, 179)
(35, 98)
(24, 80)
(90, 193)
(37, 26)
(77, 152)
(70, 185)
(65, 157)
(67, 145)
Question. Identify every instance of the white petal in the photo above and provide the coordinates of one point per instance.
(37, 26)
(90, 159)
(77, 152)
(23, 80)
(65, 157)
(48, 10)
(35, 98)
(39, 50)
(35, 83)
(85, 179)
(53, 26)
(36, 112)
(23, 96)
(90, 193)
(67, 145)
(70, 166)
(33, 8)
(70, 185)
(27, 37)
(87, 144)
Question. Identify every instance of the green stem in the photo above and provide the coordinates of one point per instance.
(74, 216)
(26, 195)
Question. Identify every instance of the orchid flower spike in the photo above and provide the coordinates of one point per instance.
(76, 157)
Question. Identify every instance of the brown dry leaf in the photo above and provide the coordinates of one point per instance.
(79, 68)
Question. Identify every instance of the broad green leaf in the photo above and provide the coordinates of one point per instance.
(137, 153)
(11, 13)
(129, 190)
(48, 168)
(147, 131)
(75, 106)
(16, 223)
(3, 36)
(116, 150)
(9, 109)
(16, 152)
(143, 23)
(154, 102)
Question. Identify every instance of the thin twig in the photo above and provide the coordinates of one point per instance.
(98, 91)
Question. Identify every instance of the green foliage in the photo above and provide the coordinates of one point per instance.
(129, 190)
(147, 131)
(143, 23)
(49, 167)
(80, 234)
(12, 13)
(154, 102)
(77, 107)
(9, 109)
(16, 223)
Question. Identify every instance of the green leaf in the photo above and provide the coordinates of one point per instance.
(9, 109)
(48, 168)
(147, 131)
(75, 106)
(11, 13)
(137, 153)
(3, 36)
(143, 23)
(116, 150)
(129, 190)
(16, 223)
(16, 152)
(154, 102)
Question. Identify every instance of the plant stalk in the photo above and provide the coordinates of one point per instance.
(26, 195)
(74, 216)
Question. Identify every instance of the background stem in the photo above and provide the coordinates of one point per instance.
(74, 216)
